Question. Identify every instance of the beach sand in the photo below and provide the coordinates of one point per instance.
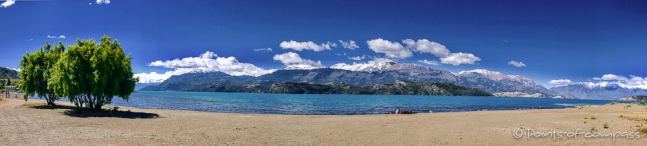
(23, 124)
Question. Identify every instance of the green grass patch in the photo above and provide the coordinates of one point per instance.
(34, 104)
(593, 117)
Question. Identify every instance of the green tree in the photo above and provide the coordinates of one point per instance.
(90, 74)
(8, 81)
(36, 71)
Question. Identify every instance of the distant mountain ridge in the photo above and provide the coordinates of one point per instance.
(500, 84)
(610, 91)
(362, 75)
(7, 72)
(397, 88)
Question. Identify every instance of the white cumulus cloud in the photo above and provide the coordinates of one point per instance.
(459, 58)
(358, 58)
(56, 37)
(206, 62)
(103, 1)
(291, 58)
(263, 49)
(426, 46)
(154, 77)
(309, 45)
(349, 45)
(611, 77)
(560, 82)
(631, 82)
(396, 50)
(390, 49)
(8, 3)
(430, 62)
(516, 64)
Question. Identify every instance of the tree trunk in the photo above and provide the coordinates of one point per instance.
(99, 103)
(51, 98)
(97, 107)
(90, 104)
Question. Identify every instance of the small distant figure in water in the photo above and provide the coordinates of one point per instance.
(413, 112)
(431, 110)
(397, 111)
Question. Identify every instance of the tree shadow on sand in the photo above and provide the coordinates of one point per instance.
(85, 113)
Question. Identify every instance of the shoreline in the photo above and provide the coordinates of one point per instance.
(418, 112)
(259, 104)
(25, 125)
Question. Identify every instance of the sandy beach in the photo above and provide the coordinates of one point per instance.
(29, 123)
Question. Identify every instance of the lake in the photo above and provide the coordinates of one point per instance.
(308, 104)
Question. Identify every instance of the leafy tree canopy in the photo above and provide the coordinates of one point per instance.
(89, 74)
(36, 70)
(92, 74)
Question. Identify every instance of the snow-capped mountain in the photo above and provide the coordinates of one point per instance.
(368, 74)
(496, 82)
(155, 77)
(367, 67)
(302, 67)
(496, 76)
(600, 91)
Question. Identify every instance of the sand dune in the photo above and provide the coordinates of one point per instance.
(26, 125)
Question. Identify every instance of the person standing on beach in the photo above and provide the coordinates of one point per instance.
(397, 111)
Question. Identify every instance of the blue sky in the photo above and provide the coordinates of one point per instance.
(576, 40)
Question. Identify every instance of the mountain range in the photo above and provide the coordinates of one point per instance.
(365, 75)
(609, 91)
(397, 88)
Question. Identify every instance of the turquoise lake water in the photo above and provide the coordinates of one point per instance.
(306, 104)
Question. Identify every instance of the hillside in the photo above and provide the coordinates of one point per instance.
(8, 73)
